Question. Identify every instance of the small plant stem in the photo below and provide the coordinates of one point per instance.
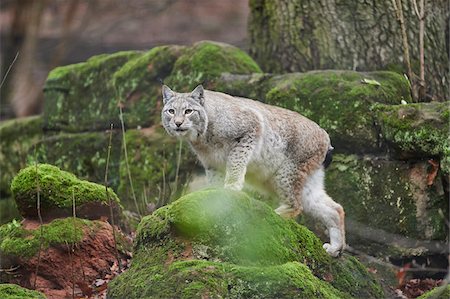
(9, 69)
(110, 200)
(126, 162)
(41, 228)
(180, 147)
(72, 247)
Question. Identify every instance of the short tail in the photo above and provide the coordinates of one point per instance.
(328, 157)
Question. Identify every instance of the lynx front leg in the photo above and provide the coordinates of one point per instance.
(237, 161)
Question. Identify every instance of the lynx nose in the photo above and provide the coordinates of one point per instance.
(178, 123)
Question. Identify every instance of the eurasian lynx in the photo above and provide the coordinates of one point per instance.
(232, 136)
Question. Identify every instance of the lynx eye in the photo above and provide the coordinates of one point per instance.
(171, 111)
(188, 111)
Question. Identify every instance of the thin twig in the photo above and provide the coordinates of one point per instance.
(73, 243)
(126, 161)
(9, 69)
(41, 227)
(110, 200)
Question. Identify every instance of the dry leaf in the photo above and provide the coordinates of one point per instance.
(433, 173)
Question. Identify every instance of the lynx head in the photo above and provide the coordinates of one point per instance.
(183, 114)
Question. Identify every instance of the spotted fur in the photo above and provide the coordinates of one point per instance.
(232, 136)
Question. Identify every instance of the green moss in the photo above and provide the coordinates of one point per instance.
(416, 130)
(14, 150)
(442, 292)
(153, 159)
(57, 190)
(207, 61)
(83, 154)
(219, 243)
(80, 97)
(19, 242)
(339, 102)
(13, 291)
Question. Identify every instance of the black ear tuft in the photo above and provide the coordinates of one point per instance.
(167, 93)
(198, 93)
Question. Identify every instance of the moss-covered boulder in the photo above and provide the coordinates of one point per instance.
(17, 137)
(206, 61)
(80, 97)
(60, 254)
(394, 196)
(85, 96)
(442, 292)
(13, 291)
(417, 130)
(339, 101)
(159, 168)
(224, 244)
(56, 190)
(83, 154)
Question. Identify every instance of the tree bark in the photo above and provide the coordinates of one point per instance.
(362, 35)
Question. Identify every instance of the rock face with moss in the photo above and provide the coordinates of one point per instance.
(58, 247)
(56, 190)
(13, 291)
(217, 243)
(18, 138)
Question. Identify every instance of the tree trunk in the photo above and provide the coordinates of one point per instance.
(362, 35)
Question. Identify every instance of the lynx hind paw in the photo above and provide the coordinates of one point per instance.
(286, 211)
(333, 251)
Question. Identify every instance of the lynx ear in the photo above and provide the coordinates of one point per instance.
(167, 93)
(198, 94)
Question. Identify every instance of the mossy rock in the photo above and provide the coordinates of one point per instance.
(83, 154)
(417, 130)
(13, 291)
(80, 97)
(18, 137)
(18, 242)
(57, 191)
(339, 101)
(224, 244)
(138, 84)
(154, 158)
(390, 195)
(206, 61)
(442, 292)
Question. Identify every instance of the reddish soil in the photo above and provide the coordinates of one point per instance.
(85, 272)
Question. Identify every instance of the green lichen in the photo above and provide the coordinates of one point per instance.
(19, 242)
(219, 243)
(18, 137)
(207, 61)
(442, 292)
(417, 130)
(153, 163)
(13, 291)
(57, 189)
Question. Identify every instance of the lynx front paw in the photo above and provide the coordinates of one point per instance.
(334, 251)
(286, 211)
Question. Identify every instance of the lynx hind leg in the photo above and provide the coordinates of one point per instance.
(319, 205)
(289, 185)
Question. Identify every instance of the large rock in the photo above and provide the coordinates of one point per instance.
(417, 130)
(61, 254)
(80, 97)
(217, 243)
(56, 190)
(18, 138)
(397, 197)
